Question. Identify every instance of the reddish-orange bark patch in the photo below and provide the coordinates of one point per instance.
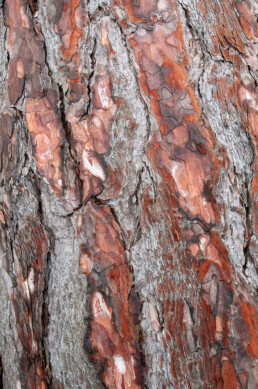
(113, 334)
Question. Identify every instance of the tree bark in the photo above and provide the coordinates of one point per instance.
(128, 198)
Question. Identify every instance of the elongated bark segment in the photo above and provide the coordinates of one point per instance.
(27, 69)
(113, 335)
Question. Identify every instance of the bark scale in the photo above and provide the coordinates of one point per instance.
(128, 198)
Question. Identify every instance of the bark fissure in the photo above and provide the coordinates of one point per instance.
(45, 323)
(33, 4)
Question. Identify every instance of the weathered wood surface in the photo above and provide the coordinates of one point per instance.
(128, 198)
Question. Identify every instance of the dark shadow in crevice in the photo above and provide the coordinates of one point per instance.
(33, 4)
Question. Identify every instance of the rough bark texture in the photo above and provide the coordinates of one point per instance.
(128, 198)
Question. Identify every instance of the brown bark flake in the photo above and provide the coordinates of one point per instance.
(113, 335)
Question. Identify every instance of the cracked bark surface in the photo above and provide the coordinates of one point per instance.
(128, 197)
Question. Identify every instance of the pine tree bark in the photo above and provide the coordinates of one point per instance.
(128, 198)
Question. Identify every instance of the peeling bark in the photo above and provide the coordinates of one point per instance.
(128, 197)
(112, 338)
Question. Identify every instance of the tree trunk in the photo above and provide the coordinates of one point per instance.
(128, 198)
